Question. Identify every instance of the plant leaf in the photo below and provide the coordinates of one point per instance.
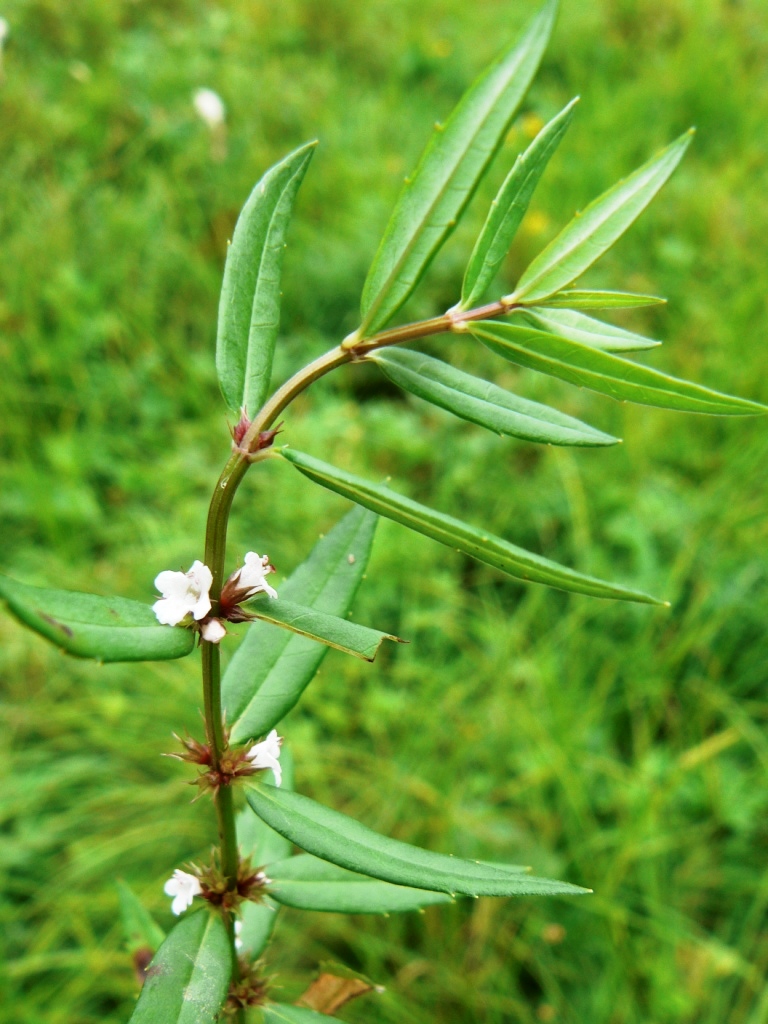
(577, 298)
(249, 307)
(594, 230)
(509, 208)
(139, 927)
(188, 979)
(448, 173)
(481, 402)
(308, 883)
(485, 547)
(360, 641)
(606, 373)
(568, 323)
(283, 1013)
(329, 992)
(271, 669)
(89, 626)
(342, 840)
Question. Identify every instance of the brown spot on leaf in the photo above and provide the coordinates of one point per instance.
(56, 624)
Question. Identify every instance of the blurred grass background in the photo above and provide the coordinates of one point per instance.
(618, 747)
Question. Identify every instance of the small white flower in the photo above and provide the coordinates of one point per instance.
(238, 930)
(267, 755)
(183, 887)
(213, 631)
(251, 576)
(184, 593)
(262, 879)
(5, 28)
(210, 107)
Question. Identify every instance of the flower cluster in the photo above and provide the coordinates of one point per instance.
(186, 598)
(234, 762)
(210, 885)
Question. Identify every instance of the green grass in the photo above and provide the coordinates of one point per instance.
(617, 747)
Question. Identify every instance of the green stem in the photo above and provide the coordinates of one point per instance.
(351, 350)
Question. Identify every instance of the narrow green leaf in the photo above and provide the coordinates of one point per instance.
(568, 323)
(483, 403)
(284, 1013)
(606, 373)
(104, 628)
(256, 839)
(271, 669)
(139, 927)
(509, 208)
(249, 308)
(360, 641)
(594, 230)
(577, 298)
(263, 845)
(188, 978)
(308, 883)
(453, 163)
(485, 547)
(342, 840)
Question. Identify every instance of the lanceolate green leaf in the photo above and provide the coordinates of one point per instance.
(308, 883)
(608, 374)
(104, 628)
(594, 230)
(139, 927)
(255, 838)
(568, 323)
(577, 298)
(509, 207)
(263, 845)
(342, 840)
(284, 1013)
(271, 668)
(249, 308)
(447, 175)
(483, 403)
(485, 547)
(188, 979)
(361, 641)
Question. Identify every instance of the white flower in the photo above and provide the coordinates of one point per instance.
(183, 887)
(210, 107)
(238, 930)
(262, 879)
(266, 755)
(5, 28)
(251, 576)
(183, 593)
(213, 631)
